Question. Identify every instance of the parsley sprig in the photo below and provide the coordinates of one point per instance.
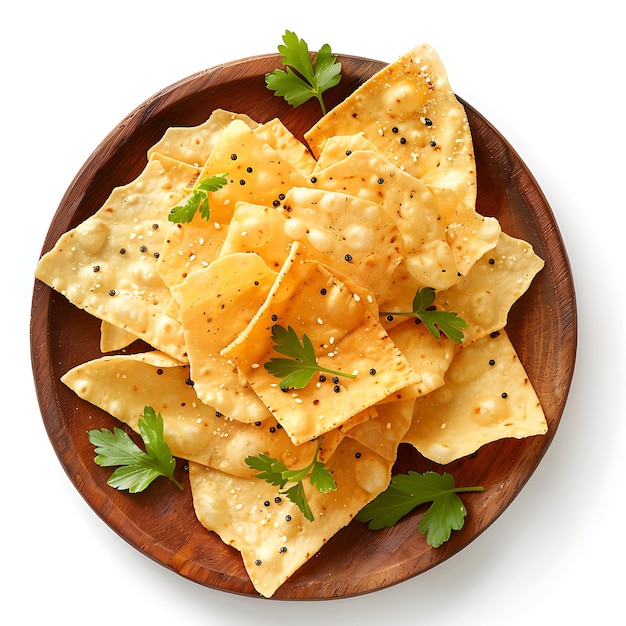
(297, 371)
(407, 491)
(302, 80)
(437, 322)
(198, 200)
(276, 473)
(137, 468)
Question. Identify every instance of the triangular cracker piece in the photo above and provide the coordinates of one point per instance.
(276, 540)
(278, 136)
(107, 264)
(383, 433)
(411, 205)
(338, 147)
(114, 338)
(429, 357)
(256, 172)
(409, 110)
(346, 336)
(258, 229)
(484, 297)
(122, 385)
(193, 144)
(188, 248)
(355, 237)
(217, 303)
(487, 396)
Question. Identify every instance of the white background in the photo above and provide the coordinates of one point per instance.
(548, 75)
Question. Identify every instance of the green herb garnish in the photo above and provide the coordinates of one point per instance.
(137, 468)
(437, 322)
(407, 491)
(301, 80)
(198, 200)
(297, 371)
(276, 473)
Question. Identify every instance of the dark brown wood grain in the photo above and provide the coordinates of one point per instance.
(160, 522)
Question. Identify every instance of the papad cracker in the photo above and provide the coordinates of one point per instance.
(217, 303)
(122, 385)
(353, 236)
(409, 111)
(485, 296)
(258, 229)
(413, 208)
(278, 136)
(256, 172)
(114, 338)
(338, 147)
(428, 356)
(346, 336)
(276, 541)
(188, 248)
(107, 265)
(487, 396)
(193, 144)
(383, 433)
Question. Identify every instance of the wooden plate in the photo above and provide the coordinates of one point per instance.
(160, 522)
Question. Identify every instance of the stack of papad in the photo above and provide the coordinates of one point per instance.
(320, 241)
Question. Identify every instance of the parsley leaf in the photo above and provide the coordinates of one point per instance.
(296, 372)
(407, 491)
(137, 468)
(198, 200)
(301, 80)
(437, 322)
(276, 473)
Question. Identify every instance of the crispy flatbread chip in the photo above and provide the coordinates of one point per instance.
(122, 385)
(411, 205)
(114, 338)
(193, 144)
(278, 136)
(107, 266)
(188, 248)
(429, 358)
(256, 172)
(217, 303)
(487, 396)
(484, 297)
(276, 541)
(383, 433)
(408, 110)
(346, 337)
(338, 147)
(355, 237)
(258, 229)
